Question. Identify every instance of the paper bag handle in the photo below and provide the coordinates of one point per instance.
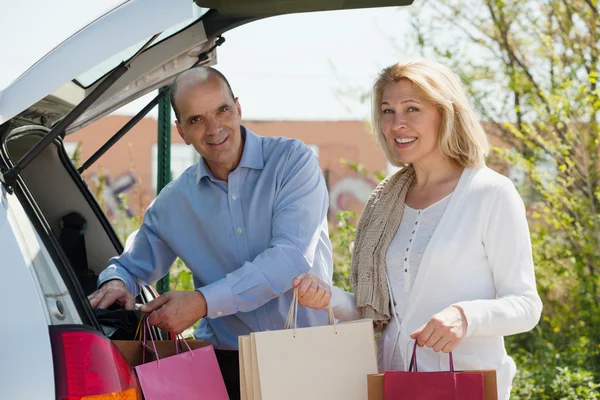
(293, 314)
(146, 328)
(413, 361)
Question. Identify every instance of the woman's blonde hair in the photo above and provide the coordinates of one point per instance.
(462, 137)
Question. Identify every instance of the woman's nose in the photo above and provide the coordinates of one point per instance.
(399, 121)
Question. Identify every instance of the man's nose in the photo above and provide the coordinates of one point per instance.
(213, 127)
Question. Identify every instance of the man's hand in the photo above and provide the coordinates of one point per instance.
(444, 331)
(312, 291)
(176, 311)
(111, 292)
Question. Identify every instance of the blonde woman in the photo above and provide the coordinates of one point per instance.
(442, 253)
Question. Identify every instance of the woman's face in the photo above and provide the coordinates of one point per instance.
(411, 125)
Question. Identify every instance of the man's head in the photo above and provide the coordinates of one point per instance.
(209, 118)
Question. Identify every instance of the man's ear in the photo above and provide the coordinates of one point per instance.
(181, 133)
(239, 108)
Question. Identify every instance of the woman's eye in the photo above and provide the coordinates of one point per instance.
(412, 109)
(388, 111)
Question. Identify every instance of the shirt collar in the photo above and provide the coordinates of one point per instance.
(252, 155)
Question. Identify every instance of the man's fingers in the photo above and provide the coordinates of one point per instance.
(155, 319)
(298, 280)
(106, 301)
(304, 286)
(324, 301)
(94, 299)
(129, 302)
(320, 293)
(312, 290)
(155, 304)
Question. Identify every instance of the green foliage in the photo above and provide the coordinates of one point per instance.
(342, 234)
(181, 277)
(341, 240)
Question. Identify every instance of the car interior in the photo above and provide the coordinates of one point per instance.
(74, 218)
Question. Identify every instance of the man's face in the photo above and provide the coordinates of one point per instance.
(209, 120)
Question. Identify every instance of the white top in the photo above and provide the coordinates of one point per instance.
(479, 258)
(405, 253)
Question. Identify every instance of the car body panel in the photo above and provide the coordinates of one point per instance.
(49, 89)
(277, 7)
(27, 370)
(120, 28)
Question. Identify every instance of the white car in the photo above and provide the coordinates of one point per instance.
(54, 238)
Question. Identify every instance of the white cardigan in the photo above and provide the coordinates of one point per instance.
(479, 258)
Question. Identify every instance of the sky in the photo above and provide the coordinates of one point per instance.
(293, 67)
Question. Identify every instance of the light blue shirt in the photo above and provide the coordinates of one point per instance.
(244, 240)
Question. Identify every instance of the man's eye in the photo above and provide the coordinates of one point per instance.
(195, 120)
(223, 109)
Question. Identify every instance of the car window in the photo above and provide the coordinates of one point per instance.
(90, 77)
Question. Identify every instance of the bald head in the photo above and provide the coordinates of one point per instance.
(193, 77)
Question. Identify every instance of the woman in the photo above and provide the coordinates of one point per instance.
(442, 253)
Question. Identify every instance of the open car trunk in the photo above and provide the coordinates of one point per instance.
(60, 204)
(36, 106)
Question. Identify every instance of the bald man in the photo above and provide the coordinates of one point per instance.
(246, 219)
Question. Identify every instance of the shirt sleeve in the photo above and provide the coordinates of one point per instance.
(517, 307)
(344, 305)
(299, 224)
(146, 257)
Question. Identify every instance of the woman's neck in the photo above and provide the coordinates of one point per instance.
(435, 172)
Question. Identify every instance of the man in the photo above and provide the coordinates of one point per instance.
(246, 220)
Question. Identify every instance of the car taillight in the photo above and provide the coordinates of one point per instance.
(88, 367)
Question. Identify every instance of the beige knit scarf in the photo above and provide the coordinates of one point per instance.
(376, 229)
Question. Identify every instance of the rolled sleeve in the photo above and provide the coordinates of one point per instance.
(114, 272)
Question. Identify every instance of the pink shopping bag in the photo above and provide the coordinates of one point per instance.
(432, 385)
(189, 375)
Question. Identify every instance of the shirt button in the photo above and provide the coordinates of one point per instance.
(406, 270)
(239, 230)
(234, 196)
(406, 259)
(219, 313)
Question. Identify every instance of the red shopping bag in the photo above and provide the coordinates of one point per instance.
(190, 375)
(413, 385)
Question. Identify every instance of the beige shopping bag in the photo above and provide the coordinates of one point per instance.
(317, 363)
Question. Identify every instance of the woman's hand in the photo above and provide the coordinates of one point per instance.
(444, 331)
(312, 291)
